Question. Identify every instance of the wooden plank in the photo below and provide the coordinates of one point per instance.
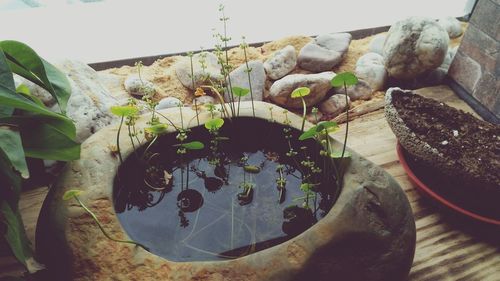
(445, 250)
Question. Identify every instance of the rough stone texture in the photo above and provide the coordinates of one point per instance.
(481, 48)
(335, 105)
(436, 76)
(204, 100)
(360, 91)
(90, 102)
(325, 52)
(377, 44)
(451, 25)
(370, 67)
(136, 86)
(239, 78)
(201, 76)
(168, 102)
(281, 63)
(485, 17)
(487, 92)
(414, 46)
(369, 234)
(319, 84)
(465, 71)
(314, 119)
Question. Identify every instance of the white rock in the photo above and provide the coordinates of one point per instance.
(211, 72)
(451, 25)
(89, 104)
(360, 91)
(204, 100)
(137, 86)
(168, 102)
(335, 105)
(377, 43)
(281, 63)
(239, 78)
(414, 46)
(314, 119)
(370, 67)
(324, 52)
(319, 84)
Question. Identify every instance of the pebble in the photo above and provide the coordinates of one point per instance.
(370, 67)
(324, 52)
(211, 72)
(168, 102)
(281, 63)
(335, 105)
(136, 86)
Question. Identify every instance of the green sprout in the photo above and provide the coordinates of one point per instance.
(73, 194)
(301, 92)
(240, 92)
(244, 46)
(124, 112)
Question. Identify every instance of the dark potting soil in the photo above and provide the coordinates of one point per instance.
(196, 208)
(470, 146)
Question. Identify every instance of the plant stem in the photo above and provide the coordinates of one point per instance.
(196, 109)
(104, 231)
(303, 114)
(347, 121)
(249, 79)
(118, 140)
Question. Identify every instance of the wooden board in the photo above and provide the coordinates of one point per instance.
(447, 247)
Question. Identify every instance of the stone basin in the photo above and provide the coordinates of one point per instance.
(369, 233)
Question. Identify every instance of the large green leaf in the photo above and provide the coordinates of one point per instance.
(15, 235)
(240, 92)
(194, 145)
(7, 81)
(214, 124)
(300, 92)
(64, 125)
(45, 141)
(25, 61)
(8, 177)
(12, 146)
(344, 78)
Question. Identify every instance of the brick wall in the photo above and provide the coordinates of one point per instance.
(476, 66)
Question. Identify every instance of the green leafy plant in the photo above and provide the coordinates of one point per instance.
(73, 194)
(28, 129)
(127, 111)
(301, 92)
(240, 92)
(244, 47)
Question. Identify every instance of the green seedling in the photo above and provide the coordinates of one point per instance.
(240, 92)
(127, 111)
(194, 145)
(244, 46)
(301, 92)
(73, 194)
(281, 183)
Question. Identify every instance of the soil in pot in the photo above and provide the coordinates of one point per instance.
(471, 147)
(215, 204)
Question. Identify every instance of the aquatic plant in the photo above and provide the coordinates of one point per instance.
(301, 92)
(244, 47)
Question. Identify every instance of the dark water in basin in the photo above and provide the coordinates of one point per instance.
(199, 216)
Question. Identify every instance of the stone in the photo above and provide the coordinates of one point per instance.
(314, 118)
(281, 63)
(377, 43)
(90, 102)
(465, 71)
(205, 69)
(369, 234)
(324, 52)
(319, 84)
(413, 46)
(204, 100)
(168, 102)
(137, 86)
(360, 91)
(451, 25)
(45, 97)
(335, 105)
(239, 78)
(370, 67)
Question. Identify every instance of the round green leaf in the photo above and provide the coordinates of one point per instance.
(157, 129)
(252, 169)
(328, 125)
(338, 154)
(214, 124)
(300, 92)
(240, 92)
(311, 133)
(346, 78)
(194, 145)
(124, 111)
(70, 194)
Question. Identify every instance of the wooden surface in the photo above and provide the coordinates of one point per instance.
(448, 247)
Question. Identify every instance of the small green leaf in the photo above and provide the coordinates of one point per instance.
(328, 125)
(194, 145)
(126, 110)
(306, 187)
(252, 169)
(70, 194)
(300, 92)
(157, 129)
(25, 91)
(214, 124)
(338, 154)
(309, 134)
(345, 77)
(240, 92)
(16, 235)
(12, 146)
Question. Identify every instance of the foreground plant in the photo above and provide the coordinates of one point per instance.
(129, 112)
(301, 92)
(73, 194)
(28, 129)
(244, 47)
